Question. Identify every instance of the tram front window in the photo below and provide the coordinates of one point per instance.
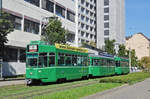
(32, 62)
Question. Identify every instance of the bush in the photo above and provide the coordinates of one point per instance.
(130, 78)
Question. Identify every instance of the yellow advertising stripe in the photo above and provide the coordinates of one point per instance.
(67, 47)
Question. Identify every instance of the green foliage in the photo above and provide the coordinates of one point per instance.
(134, 61)
(54, 32)
(6, 26)
(110, 46)
(122, 51)
(130, 78)
(91, 43)
(144, 63)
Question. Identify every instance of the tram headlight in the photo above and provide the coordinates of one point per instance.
(39, 71)
(30, 73)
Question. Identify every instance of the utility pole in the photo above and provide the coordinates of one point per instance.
(130, 59)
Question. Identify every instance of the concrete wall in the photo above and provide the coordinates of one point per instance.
(13, 68)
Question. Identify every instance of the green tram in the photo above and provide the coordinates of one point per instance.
(101, 65)
(51, 63)
(122, 65)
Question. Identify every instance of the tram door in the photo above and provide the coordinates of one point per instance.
(1, 61)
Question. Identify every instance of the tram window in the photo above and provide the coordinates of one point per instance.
(104, 62)
(79, 61)
(61, 59)
(117, 63)
(51, 59)
(85, 61)
(32, 62)
(74, 60)
(68, 60)
(95, 62)
(43, 60)
(92, 62)
(108, 62)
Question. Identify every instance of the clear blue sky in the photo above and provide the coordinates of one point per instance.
(138, 17)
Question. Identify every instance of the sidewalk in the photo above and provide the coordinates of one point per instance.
(11, 82)
(139, 90)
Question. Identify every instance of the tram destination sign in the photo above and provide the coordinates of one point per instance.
(67, 47)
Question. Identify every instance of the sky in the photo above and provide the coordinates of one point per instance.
(138, 17)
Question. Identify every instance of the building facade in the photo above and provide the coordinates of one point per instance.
(86, 21)
(140, 43)
(110, 21)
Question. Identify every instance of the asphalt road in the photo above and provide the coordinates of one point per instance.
(13, 82)
(137, 91)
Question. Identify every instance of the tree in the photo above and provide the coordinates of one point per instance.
(122, 51)
(110, 46)
(144, 63)
(54, 32)
(6, 26)
(134, 61)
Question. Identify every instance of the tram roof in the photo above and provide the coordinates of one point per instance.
(101, 56)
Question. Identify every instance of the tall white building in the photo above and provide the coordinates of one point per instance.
(86, 20)
(110, 21)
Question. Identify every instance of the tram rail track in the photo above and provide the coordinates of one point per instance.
(39, 92)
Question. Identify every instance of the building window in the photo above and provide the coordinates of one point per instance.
(30, 26)
(91, 21)
(91, 7)
(82, 1)
(71, 37)
(82, 25)
(10, 54)
(82, 33)
(60, 11)
(91, 36)
(106, 32)
(17, 22)
(71, 16)
(87, 27)
(34, 2)
(106, 2)
(87, 19)
(106, 39)
(91, 14)
(87, 12)
(48, 5)
(91, 29)
(82, 17)
(82, 9)
(87, 4)
(87, 35)
(22, 56)
(106, 10)
(106, 17)
(106, 25)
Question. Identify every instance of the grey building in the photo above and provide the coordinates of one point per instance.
(110, 21)
(86, 20)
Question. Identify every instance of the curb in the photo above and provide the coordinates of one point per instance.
(105, 92)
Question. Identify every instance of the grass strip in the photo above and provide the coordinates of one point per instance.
(79, 92)
(129, 79)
